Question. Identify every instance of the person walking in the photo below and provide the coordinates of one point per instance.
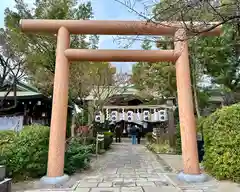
(118, 133)
(138, 135)
(133, 134)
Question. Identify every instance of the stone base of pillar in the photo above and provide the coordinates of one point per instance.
(54, 180)
(192, 178)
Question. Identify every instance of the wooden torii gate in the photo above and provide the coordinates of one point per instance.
(64, 55)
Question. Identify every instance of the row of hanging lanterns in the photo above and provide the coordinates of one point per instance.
(130, 116)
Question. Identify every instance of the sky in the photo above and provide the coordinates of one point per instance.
(103, 10)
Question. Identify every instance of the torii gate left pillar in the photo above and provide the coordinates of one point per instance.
(64, 54)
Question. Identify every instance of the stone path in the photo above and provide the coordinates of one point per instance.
(127, 168)
(132, 168)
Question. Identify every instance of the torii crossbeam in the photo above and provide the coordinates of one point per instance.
(64, 54)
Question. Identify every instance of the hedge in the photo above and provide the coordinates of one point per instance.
(26, 154)
(108, 139)
(7, 137)
(77, 156)
(221, 143)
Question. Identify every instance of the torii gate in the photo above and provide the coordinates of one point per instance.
(64, 55)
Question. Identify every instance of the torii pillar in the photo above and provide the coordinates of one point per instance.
(57, 137)
(191, 170)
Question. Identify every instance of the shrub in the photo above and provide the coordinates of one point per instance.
(149, 137)
(178, 140)
(77, 156)
(108, 139)
(27, 155)
(88, 141)
(221, 143)
(160, 148)
(108, 134)
(7, 137)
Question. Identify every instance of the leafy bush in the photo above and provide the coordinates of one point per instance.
(27, 155)
(108, 134)
(221, 143)
(77, 156)
(178, 140)
(86, 141)
(108, 139)
(81, 118)
(160, 148)
(149, 137)
(7, 137)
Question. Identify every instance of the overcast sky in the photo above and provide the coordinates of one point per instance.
(103, 10)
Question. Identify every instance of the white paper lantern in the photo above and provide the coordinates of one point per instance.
(146, 115)
(130, 115)
(114, 116)
(162, 115)
(98, 117)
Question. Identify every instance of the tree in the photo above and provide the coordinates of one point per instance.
(220, 59)
(203, 11)
(155, 77)
(11, 71)
(216, 57)
(39, 49)
(106, 84)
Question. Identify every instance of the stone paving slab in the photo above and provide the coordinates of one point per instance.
(161, 189)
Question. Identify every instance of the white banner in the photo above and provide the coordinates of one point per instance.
(14, 123)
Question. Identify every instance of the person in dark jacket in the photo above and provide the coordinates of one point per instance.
(138, 135)
(118, 133)
(133, 134)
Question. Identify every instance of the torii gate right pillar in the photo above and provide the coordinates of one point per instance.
(191, 170)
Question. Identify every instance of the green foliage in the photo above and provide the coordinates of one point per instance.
(221, 143)
(87, 141)
(77, 156)
(81, 119)
(108, 139)
(38, 51)
(27, 155)
(7, 137)
(156, 77)
(69, 124)
(160, 148)
(108, 134)
(219, 57)
(178, 140)
(149, 137)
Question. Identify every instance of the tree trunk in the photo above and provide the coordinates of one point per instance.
(73, 126)
(194, 74)
(196, 101)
